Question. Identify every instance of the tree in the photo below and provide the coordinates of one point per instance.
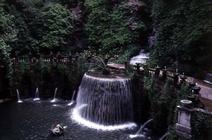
(5, 68)
(182, 34)
(57, 26)
(7, 26)
(111, 27)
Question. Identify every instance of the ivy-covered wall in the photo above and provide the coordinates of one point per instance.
(27, 76)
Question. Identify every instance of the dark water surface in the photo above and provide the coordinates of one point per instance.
(32, 121)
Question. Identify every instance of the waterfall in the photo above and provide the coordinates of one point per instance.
(151, 41)
(140, 59)
(72, 99)
(18, 96)
(55, 95)
(104, 103)
(36, 98)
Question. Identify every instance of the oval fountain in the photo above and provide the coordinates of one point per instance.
(104, 103)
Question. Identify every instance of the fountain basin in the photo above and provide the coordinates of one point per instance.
(32, 121)
(20, 101)
(104, 103)
(36, 99)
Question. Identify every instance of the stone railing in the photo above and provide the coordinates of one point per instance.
(51, 59)
(198, 87)
(187, 107)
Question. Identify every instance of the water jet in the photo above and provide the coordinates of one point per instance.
(139, 133)
(18, 96)
(36, 98)
(72, 99)
(55, 95)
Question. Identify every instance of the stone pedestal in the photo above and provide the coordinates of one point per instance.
(183, 125)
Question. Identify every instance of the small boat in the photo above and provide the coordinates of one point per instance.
(58, 130)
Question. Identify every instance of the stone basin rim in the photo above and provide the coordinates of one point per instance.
(102, 78)
(186, 101)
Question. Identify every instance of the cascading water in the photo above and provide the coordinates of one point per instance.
(151, 40)
(37, 98)
(72, 99)
(140, 59)
(18, 96)
(104, 103)
(55, 95)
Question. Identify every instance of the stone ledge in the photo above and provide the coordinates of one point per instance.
(4, 100)
(183, 131)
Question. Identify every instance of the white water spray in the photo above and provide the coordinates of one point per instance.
(55, 96)
(140, 59)
(36, 98)
(82, 121)
(18, 96)
(72, 99)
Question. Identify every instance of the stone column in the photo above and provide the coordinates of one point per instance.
(146, 70)
(157, 72)
(195, 93)
(176, 79)
(182, 79)
(164, 74)
(138, 94)
(183, 125)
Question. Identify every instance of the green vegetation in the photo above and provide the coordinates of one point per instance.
(57, 26)
(164, 98)
(183, 31)
(201, 126)
(119, 28)
(113, 29)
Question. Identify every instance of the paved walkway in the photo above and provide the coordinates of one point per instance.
(207, 103)
(206, 89)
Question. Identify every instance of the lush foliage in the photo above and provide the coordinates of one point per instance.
(7, 26)
(183, 30)
(56, 27)
(201, 126)
(37, 26)
(33, 27)
(112, 28)
(118, 27)
(164, 98)
(5, 69)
